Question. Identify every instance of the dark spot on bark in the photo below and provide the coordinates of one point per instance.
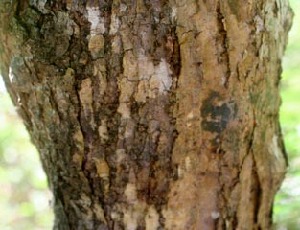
(216, 115)
(225, 112)
(211, 126)
(207, 105)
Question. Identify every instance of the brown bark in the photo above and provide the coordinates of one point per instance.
(151, 114)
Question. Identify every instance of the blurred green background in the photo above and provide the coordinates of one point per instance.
(287, 202)
(24, 197)
(25, 201)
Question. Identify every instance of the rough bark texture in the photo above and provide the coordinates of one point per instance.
(151, 114)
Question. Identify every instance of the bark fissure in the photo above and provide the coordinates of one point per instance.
(224, 53)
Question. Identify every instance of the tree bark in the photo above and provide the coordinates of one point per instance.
(151, 114)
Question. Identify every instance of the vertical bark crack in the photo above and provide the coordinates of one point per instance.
(224, 53)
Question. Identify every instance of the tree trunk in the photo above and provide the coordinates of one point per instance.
(151, 114)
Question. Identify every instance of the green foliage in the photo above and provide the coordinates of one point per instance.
(287, 201)
(24, 196)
